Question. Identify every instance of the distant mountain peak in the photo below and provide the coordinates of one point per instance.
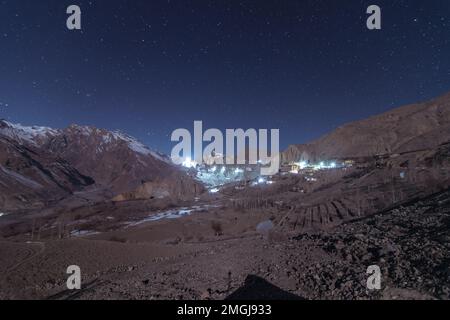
(36, 134)
(25, 133)
(67, 160)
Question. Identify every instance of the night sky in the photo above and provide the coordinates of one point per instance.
(148, 67)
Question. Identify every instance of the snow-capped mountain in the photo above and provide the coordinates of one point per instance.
(31, 177)
(37, 135)
(78, 156)
(22, 134)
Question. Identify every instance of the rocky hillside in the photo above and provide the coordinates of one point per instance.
(408, 128)
(39, 164)
(32, 178)
(114, 159)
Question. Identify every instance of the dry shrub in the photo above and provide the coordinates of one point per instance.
(117, 239)
(217, 228)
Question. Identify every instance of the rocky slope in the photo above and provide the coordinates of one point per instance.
(46, 164)
(409, 243)
(114, 159)
(408, 128)
(32, 178)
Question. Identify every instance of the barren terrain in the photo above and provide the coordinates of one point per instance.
(141, 228)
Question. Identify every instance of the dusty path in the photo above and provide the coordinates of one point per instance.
(32, 250)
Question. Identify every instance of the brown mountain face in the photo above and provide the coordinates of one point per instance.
(31, 178)
(123, 164)
(113, 159)
(409, 128)
(42, 164)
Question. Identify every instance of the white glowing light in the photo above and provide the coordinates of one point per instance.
(302, 164)
(261, 180)
(213, 169)
(333, 165)
(237, 171)
(222, 170)
(215, 190)
(188, 163)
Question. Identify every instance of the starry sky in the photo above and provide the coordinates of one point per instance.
(150, 67)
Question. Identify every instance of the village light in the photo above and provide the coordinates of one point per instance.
(188, 163)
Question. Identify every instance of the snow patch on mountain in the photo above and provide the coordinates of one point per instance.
(136, 146)
(32, 134)
(25, 133)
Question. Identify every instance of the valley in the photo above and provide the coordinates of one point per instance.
(373, 192)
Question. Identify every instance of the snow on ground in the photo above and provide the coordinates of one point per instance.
(169, 214)
(83, 233)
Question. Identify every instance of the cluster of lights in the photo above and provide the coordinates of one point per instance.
(321, 165)
(262, 180)
(216, 174)
(302, 164)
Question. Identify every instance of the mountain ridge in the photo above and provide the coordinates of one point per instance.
(425, 124)
(112, 160)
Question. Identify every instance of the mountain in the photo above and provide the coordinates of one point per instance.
(30, 177)
(115, 160)
(47, 164)
(408, 128)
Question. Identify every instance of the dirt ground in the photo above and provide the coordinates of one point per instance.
(209, 254)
